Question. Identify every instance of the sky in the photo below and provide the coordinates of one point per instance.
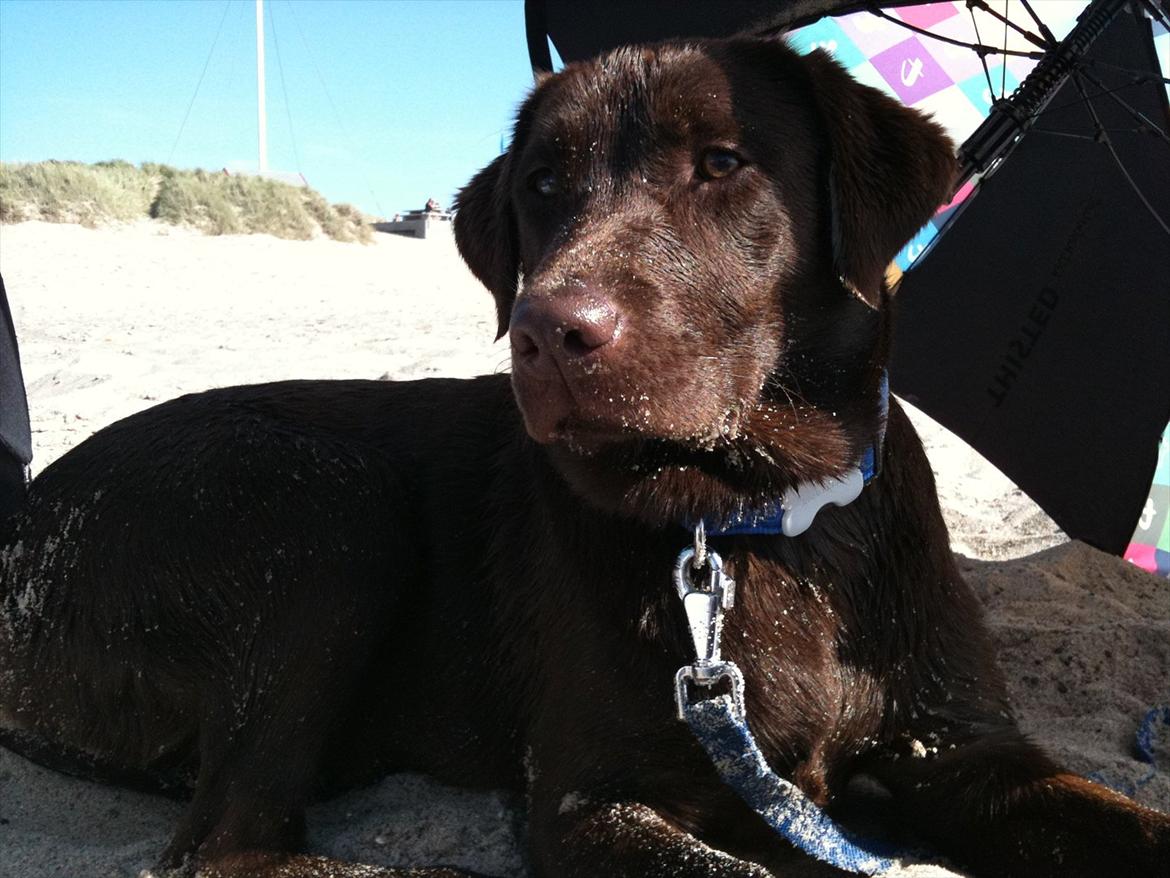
(379, 103)
(382, 103)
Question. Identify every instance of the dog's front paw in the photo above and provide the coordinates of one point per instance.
(629, 840)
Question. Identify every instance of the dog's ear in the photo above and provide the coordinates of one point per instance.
(890, 168)
(485, 232)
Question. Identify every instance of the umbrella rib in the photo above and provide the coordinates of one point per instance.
(1069, 134)
(1075, 136)
(1007, 22)
(1079, 101)
(1136, 113)
(1048, 34)
(1138, 75)
(1103, 135)
(1158, 10)
(978, 48)
(1003, 67)
(982, 56)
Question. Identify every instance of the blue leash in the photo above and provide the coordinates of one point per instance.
(1144, 743)
(720, 725)
(1143, 746)
(737, 758)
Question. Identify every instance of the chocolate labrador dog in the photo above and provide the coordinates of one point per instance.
(275, 592)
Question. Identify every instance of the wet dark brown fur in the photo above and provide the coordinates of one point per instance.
(278, 591)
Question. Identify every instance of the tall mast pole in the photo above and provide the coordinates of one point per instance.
(261, 116)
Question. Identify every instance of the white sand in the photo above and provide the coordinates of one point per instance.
(111, 321)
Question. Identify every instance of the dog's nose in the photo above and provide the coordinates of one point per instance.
(561, 330)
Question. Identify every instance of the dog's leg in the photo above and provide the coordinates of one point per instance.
(253, 786)
(998, 806)
(237, 808)
(262, 865)
(625, 840)
(267, 720)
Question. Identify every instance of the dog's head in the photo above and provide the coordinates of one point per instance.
(687, 245)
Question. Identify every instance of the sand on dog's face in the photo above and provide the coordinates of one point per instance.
(111, 321)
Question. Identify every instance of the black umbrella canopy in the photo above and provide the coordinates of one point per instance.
(1038, 326)
(583, 29)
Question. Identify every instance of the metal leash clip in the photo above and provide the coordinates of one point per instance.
(706, 591)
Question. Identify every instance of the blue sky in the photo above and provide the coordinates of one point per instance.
(391, 101)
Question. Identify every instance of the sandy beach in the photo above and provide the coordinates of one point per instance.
(111, 321)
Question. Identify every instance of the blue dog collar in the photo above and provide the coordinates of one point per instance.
(793, 513)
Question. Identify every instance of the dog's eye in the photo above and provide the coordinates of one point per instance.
(717, 163)
(543, 182)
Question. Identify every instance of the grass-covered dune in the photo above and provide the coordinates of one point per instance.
(213, 202)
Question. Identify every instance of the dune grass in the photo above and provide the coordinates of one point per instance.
(214, 203)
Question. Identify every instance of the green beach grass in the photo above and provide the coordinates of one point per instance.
(212, 202)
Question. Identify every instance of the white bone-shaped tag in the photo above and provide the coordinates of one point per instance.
(802, 503)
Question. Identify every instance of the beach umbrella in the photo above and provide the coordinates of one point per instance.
(1034, 309)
